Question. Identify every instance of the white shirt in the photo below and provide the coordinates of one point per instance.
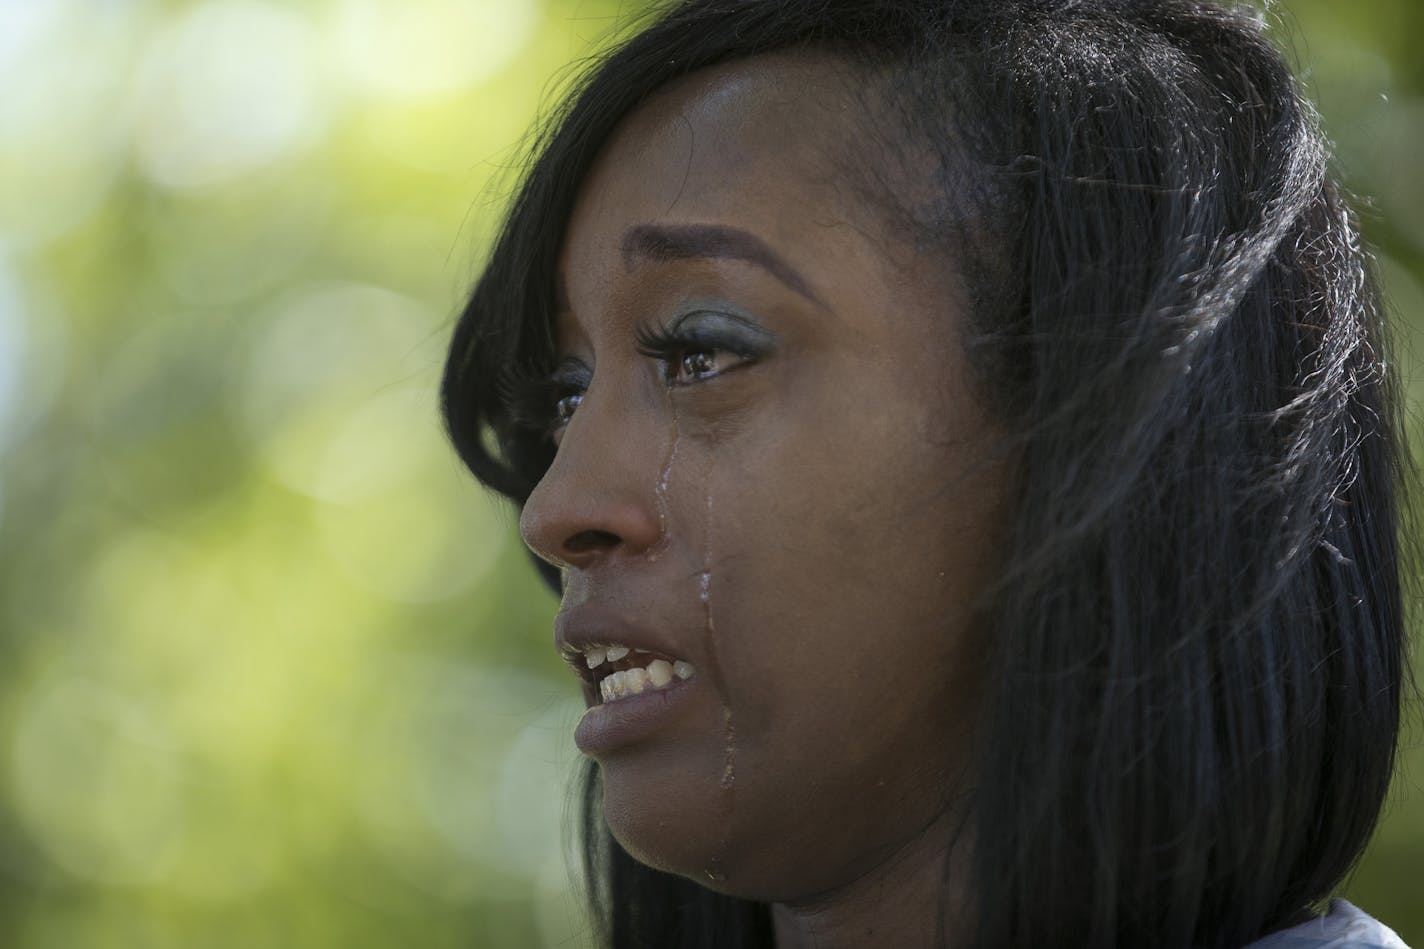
(1344, 927)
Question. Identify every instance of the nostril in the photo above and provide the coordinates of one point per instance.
(590, 540)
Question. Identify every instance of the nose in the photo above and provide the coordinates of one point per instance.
(598, 499)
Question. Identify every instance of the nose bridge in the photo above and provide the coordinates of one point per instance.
(599, 493)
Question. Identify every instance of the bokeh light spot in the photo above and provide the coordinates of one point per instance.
(323, 352)
(431, 808)
(406, 48)
(64, 67)
(535, 785)
(97, 782)
(427, 543)
(231, 87)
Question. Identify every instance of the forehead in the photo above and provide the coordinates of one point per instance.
(762, 144)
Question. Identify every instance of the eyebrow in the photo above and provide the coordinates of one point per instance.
(661, 243)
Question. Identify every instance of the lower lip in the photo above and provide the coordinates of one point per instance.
(612, 725)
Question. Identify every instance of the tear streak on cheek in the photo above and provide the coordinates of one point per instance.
(727, 785)
(660, 490)
(715, 871)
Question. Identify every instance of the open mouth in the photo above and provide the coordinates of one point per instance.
(619, 672)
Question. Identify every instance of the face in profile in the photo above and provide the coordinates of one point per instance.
(772, 500)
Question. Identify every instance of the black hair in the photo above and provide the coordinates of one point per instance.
(1198, 642)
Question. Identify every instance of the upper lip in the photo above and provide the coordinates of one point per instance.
(580, 627)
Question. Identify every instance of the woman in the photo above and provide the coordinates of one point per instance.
(961, 435)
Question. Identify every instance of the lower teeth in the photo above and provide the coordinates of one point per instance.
(658, 675)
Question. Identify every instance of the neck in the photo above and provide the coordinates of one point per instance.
(901, 901)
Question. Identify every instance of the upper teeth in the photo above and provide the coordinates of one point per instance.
(596, 655)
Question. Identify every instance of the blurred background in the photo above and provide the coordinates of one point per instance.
(273, 671)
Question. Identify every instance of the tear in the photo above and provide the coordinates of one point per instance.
(729, 730)
(728, 778)
(728, 782)
(729, 770)
(660, 490)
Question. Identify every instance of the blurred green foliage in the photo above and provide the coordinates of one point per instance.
(275, 673)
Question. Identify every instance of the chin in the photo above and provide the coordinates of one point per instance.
(665, 814)
(679, 818)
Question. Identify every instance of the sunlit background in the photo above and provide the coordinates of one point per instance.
(275, 673)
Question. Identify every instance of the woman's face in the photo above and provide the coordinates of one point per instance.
(774, 473)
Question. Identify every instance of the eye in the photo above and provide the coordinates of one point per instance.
(544, 404)
(564, 409)
(565, 401)
(698, 365)
(704, 344)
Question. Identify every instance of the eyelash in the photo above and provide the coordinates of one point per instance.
(674, 350)
(533, 402)
(546, 404)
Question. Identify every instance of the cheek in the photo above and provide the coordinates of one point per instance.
(844, 543)
(850, 605)
(846, 561)
(874, 518)
(855, 531)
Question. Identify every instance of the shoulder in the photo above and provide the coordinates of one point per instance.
(1345, 927)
